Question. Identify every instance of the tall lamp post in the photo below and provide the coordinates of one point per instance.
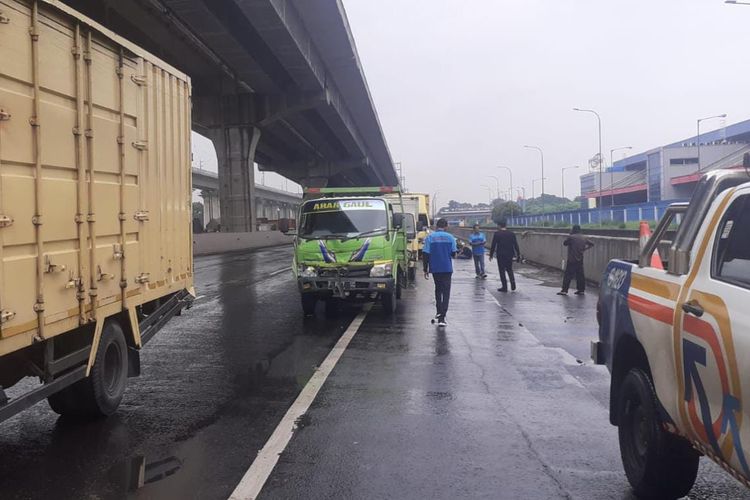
(533, 186)
(434, 204)
(497, 184)
(489, 193)
(612, 172)
(541, 153)
(698, 137)
(510, 173)
(522, 193)
(563, 177)
(601, 160)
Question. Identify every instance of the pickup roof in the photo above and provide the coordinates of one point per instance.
(676, 341)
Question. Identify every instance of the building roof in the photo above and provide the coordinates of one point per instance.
(737, 132)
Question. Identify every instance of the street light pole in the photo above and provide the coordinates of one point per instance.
(489, 193)
(698, 136)
(522, 192)
(497, 184)
(510, 173)
(533, 187)
(612, 171)
(542, 178)
(601, 160)
(563, 177)
(434, 204)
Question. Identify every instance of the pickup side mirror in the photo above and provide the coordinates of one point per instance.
(398, 221)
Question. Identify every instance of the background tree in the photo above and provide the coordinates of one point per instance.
(198, 210)
(504, 210)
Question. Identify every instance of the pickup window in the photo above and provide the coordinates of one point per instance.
(732, 254)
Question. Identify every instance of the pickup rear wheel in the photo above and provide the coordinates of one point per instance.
(658, 464)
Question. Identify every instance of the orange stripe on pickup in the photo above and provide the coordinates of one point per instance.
(651, 309)
(660, 288)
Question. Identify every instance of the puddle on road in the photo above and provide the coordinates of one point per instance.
(137, 472)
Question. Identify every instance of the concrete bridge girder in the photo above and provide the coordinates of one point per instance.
(276, 82)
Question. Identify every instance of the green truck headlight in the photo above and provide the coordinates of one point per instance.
(308, 272)
(381, 270)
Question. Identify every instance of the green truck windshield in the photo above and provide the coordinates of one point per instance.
(343, 218)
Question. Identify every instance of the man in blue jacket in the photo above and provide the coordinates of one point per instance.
(478, 240)
(438, 252)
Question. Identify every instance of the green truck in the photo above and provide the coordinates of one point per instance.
(351, 245)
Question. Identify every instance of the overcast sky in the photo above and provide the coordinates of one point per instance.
(461, 85)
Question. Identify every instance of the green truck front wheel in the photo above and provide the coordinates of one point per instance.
(308, 304)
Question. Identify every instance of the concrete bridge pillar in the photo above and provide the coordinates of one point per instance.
(210, 206)
(235, 149)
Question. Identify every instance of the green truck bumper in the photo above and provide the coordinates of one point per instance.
(346, 287)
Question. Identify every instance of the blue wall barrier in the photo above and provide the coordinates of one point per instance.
(627, 213)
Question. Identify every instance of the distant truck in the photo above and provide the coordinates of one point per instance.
(411, 205)
(676, 341)
(350, 245)
(95, 212)
(424, 222)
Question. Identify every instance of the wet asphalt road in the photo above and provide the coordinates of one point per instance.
(503, 404)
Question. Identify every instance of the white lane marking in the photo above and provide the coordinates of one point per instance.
(280, 271)
(262, 467)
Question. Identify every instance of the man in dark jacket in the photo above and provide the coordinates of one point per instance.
(577, 244)
(505, 248)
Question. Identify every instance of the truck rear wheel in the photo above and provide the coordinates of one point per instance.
(308, 304)
(101, 392)
(657, 463)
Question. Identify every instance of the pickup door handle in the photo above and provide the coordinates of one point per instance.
(694, 308)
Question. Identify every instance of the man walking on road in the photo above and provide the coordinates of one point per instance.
(577, 244)
(439, 249)
(478, 240)
(505, 248)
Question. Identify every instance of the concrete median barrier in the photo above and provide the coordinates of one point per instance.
(212, 243)
(546, 248)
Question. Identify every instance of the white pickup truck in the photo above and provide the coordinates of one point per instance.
(677, 342)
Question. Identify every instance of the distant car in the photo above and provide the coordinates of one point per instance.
(676, 341)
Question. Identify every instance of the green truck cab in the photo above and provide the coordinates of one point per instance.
(351, 244)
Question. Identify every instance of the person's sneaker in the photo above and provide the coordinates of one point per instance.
(484, 276)
(513, 287)
(477, 276)
(442, 322)
(580, 292)
(502, 290)
(562, 293)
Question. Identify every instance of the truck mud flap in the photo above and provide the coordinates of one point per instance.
(156, 320)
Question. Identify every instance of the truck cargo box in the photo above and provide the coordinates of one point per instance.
(95, 178)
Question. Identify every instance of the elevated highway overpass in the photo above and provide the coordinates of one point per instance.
(275, 82)
(269, 203)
